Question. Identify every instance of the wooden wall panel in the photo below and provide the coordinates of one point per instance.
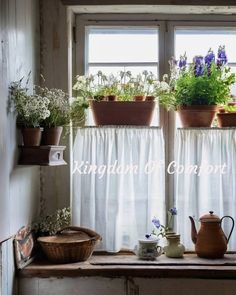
(150, 2)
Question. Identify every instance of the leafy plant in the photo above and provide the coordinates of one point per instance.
(78, 115)
(51, 224)
(206, 81)
(125, 86)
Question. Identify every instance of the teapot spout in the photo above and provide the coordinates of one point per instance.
(193, 230)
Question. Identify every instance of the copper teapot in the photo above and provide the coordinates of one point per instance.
(210, 241)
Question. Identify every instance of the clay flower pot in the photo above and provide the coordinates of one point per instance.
(122, 112)
(111, 97)
(139, 97)
(197, 115)
(31, 136)
(51, 136)
(150, 98)
(226, 119)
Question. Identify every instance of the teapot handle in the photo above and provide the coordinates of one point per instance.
(227, 239)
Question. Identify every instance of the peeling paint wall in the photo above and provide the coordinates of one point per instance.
(19, 185)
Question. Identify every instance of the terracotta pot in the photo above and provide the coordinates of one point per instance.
(111, 97)
(150, 98)
(197, 115)
(99, 97)
(122, 112)
(31, 136)
(226, 120)
(139, 97)
(51, 136)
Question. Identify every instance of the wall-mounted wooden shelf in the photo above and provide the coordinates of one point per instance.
(45, 155)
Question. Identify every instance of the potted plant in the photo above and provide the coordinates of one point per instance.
(59, 108)
(112, 88)
(31, 109)
(227, 115)
(198, 89)
(49, 225)
(124, 109)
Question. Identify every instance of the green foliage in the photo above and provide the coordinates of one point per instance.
(51, 224)
(78, 107)
(208, 89)
(204, 82)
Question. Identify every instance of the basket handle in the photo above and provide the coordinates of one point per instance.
(91, 233)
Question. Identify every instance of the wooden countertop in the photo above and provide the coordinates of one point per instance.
(129, 265)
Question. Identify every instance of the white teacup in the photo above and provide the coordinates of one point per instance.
(148, 249)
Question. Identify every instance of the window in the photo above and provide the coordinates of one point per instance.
(121, 49)
(147, 44)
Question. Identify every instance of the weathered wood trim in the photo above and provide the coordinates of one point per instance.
(151, 2)
(165, 269)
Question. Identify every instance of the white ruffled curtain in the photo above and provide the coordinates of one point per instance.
(118, 204)
(212, 190)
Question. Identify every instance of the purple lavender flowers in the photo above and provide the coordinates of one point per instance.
(222, 58)
(198, 66)
(183, 61)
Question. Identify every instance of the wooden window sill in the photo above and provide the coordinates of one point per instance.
(127, 265)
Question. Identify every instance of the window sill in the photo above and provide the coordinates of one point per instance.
(128, 265)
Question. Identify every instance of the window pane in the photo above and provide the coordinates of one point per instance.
(198, 41)
(122, 45)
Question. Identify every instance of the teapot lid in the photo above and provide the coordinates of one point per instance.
(211, 217)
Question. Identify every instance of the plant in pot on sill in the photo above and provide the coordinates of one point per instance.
(226, 116)
(31, 110)
(174, 249)
(121, 109)
(198, 89)
(59, 107)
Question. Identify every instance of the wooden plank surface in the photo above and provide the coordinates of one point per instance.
(167, 268)
(150, 2)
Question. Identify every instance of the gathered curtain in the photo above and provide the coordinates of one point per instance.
(205, 178)
(118, 183)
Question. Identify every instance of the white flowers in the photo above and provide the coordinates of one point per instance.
(49, 107)
(31, 109)
(58, 106)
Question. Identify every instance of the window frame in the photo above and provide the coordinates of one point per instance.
(167, 25)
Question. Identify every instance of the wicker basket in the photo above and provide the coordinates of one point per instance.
(72, 244)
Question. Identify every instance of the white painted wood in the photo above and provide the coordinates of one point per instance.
(9, 284)
(19, 186)
(72, 286)
(165, 9)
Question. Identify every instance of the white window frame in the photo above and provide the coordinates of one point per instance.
(167, 25)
